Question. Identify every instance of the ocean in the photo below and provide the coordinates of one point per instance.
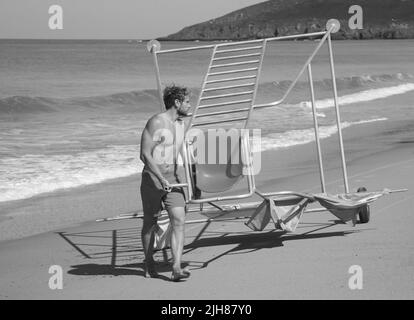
(72, 112)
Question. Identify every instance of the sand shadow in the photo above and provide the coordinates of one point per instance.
(251, 242)
(134, 269)
(115, 248)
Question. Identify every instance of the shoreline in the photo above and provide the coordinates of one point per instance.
(75, 206)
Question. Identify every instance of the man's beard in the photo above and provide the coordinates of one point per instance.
(182, 113)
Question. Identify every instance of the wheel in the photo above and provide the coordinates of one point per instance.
(364, 212)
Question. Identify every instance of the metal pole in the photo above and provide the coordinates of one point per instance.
(202, 88)
(157, 74)
(256, 86)
(275, 103)
(304, 35)
(315, 123)
(187, 168)
(338, 119)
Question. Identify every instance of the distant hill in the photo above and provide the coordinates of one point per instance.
(382, 19)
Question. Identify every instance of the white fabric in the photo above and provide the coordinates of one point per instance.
(163, 231)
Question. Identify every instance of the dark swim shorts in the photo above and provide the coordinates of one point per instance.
(153, 195)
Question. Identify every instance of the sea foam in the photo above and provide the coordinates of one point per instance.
(291, 138)
(362, 96)
(31, 175)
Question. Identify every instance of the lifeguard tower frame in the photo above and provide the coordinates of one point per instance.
(236, 66)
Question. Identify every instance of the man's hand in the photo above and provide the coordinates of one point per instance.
(166, 185)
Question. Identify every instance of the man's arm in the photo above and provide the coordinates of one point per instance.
(147, 146)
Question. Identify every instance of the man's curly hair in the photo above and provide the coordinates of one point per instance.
(173, 92)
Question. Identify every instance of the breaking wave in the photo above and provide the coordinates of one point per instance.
(291, 138)
(144, 100)
(363, 96)
(147, 100)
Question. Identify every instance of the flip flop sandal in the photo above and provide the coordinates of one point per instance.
(179, 276)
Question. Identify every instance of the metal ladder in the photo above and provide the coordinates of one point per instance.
(230, 84)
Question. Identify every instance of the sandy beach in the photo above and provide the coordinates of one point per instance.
(228, 260)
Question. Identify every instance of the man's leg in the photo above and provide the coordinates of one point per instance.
(148, 236)
(151, 205)
(177, 220)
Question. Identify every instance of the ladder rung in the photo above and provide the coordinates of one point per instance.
(221, 112)
(231, 79)
(231, 71)
(224, 103)
(219, 121)
(234, 64)
(239, 49)
(230, 87)
(228, 95)
(239, 56)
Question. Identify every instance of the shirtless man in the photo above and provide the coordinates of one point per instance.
(160, 144)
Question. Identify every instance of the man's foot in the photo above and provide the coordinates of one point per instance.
(187, 270)
(180, 275)
(149, 271)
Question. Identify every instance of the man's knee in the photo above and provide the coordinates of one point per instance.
(177, 216)
(178, 222)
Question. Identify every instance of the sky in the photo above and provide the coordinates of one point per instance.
(109, 19)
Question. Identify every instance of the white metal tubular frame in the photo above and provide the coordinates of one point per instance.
(216, 70)
(256, 85)
(315, 124)
(338, 118)
(225, 48)
(213, 209)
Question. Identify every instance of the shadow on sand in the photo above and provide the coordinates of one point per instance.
(115, 250)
